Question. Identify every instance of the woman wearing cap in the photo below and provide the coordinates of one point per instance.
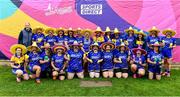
(117, 39)
(70, 38)
(76, 57)
(130, 38)
(121, 59)
(152, 38)
(108, 36)
(140, 40)
(138, 62)
(50, 38)
(94, 58)
(98, 37)
(34, 65)
(45, 63)
(107, 56)
(60, 38)
(38, 36)
(58, 62)
(155, 59)
(19, 62)
(87, 40)
(168, 44)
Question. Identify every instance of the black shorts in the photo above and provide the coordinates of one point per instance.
(123, 70)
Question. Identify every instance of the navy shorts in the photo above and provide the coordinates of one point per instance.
(75, 69)
(154, 69)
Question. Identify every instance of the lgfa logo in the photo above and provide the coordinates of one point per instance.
(50, 10)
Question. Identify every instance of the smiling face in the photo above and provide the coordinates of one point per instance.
(107, 47)
(34, 49)
(71, 33)
(138, 53)
(39, 31)
(59, 51)
(154, 33)
(131, 32)
(27, 26)
(95, 48)
(60, 33)
(122, 48)
(18, 51)
(169, 34)
(156, 48)
(98, 33)
(75, 48)
(140, 36)
(86, 34)
(116, 35)
(50, 33)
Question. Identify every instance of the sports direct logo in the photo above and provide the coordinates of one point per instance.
(91, 9)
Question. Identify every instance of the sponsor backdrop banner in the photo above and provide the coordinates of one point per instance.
(142, 14)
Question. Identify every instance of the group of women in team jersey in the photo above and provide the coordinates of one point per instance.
(64, 53)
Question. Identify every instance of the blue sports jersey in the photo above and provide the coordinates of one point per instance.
(167, 49)
(123, 56)
(39, 38)
(75, 58)
(94, 57)
(87, 43)
(50, 40)
(131, 41)
(155, 57)
(70, 40)
(152, 40)
(107, 39)
(118, 41)
(168, 42)
(43, 56)
(137, 60)
(80, 39)
(107, 60)
(58, 61)
(33, 60)
(60, 40)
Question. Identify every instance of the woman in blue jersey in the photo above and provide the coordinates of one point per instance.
(58, 62)
(60, 38)
(19, 62)
(121, 59)
(45, 58)
(50, 38)
(70, 38)
(38, 36)
(78, 35)
(155, 60)
(152, 38)
(75, 57)
(168, 44)
(107, 62)
(87, 40)
(94, 58)
(108, 36)
(130, 38)
(140, 40)
(34, 65)
(117, 38)
(138, 62)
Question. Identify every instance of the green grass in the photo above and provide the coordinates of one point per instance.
(121, 87)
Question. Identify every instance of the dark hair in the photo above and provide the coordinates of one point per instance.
(60, 31)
